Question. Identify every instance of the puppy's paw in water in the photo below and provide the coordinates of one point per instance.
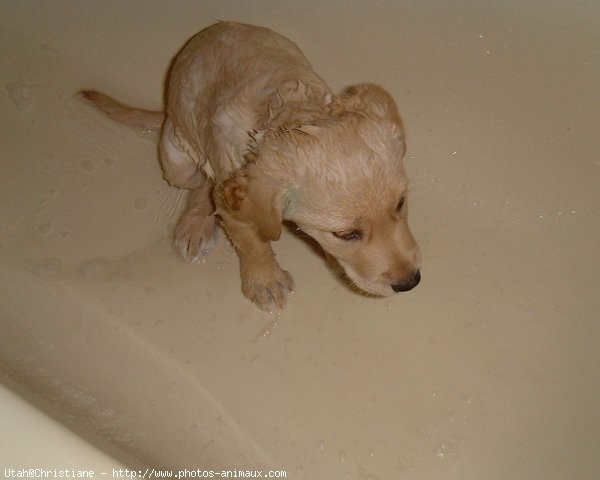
(267, 286)
(194, 237)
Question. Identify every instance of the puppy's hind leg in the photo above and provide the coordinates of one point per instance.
(195, 231)
(183, 166)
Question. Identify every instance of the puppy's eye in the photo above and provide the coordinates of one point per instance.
(351, 235)
(400, 205)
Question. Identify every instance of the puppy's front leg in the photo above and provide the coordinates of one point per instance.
(263, 281)
(250, 202)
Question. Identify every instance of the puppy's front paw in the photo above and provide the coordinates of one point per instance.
(267, 285)
(194, 237)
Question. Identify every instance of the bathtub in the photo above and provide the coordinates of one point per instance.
(488, 369)
(35, 443)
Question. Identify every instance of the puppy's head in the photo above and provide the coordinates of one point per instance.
(341, 180)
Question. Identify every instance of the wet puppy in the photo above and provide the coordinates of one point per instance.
(258, 137)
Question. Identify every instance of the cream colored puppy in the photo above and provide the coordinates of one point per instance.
(258, 137)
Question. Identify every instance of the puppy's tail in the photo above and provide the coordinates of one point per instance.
(132, 117)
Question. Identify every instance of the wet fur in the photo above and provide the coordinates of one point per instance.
(258, 138)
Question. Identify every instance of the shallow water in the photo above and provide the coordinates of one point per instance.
(489, 369)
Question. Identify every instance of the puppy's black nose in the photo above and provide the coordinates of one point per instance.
(409, 284)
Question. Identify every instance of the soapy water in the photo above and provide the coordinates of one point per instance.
(151, 134)
(441, 451)
(267, 331)
(446, 451)
(169, 204)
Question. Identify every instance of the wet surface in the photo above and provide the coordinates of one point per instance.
(488, 369)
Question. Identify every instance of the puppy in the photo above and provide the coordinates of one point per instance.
(258, 137)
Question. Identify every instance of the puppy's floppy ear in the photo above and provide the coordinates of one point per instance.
(253, 197)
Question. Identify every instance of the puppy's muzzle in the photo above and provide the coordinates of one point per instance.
(408, 284)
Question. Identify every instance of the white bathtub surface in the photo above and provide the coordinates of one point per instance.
(488, 370)
(32, 442)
